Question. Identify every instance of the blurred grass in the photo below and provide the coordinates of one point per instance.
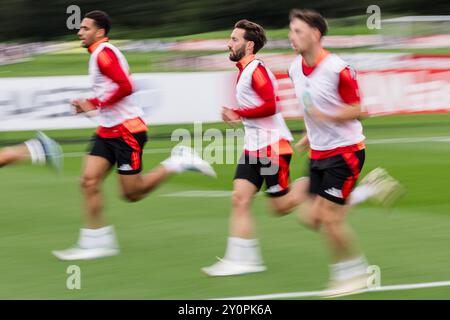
(165, 241)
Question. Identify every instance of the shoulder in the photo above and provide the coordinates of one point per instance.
(336, 63)
(261, 68)
(255, 64)
(261, 74)
(249, 69)
(106, 56)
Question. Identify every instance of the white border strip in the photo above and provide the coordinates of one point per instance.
(316, 293)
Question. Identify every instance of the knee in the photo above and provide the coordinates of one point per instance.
(309, 220)
(89, 183)
(240, 202)
(279, 210)
(131, 196)
(330, 227)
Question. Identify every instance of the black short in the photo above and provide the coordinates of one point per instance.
(274, 173)
(126, 151)
(334, 178)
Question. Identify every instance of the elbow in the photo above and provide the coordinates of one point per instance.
(271, 109)
(127, 89)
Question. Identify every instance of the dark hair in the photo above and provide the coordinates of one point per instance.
(253, 32)
(312, 18)
(101, 18)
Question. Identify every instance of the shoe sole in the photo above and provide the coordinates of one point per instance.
(342, 294)
(346, 290)
(104, 254)
(204, 168)
(256, 270)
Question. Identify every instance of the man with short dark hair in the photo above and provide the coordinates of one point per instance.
(266, 157)
(328, 91)
(119, 140)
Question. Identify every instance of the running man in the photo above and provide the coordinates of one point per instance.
(327, 89)
(266, 156)
(119, 140)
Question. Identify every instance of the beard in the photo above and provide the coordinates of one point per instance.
(238, 55)
(84, 44)
(296, 49)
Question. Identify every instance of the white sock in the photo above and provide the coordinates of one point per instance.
(349, 269)
(36, 151)
(360, 194)
(97, 238)
(243, 250)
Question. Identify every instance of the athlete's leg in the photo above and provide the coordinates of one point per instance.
(298, 193)
(242, 253)
(96, 239)
(95, 170)
(10, 155)
(241, 220)
(338, 234)
(39, 150)
(137, 186)
(338, 176)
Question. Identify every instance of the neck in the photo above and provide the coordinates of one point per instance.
(312, 55)
(246, 59)
(248, 56)
(97, 42)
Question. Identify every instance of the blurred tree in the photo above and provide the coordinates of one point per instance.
(44, 20)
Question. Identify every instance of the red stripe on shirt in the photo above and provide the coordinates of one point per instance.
(348, 86)
(110, 67)
(262, 85)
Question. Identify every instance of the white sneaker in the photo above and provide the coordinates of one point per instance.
(231, 268)
(387, 189)
(187, 159)
(77, 253)
(346, 287)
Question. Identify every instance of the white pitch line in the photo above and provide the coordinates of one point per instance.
(232, 147)
(316, 293)
(407, 140)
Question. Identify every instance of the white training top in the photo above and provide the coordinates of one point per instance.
(320, 89)
(103, 87)
(259, 132)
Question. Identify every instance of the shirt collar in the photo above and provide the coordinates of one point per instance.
(322, 55)
(245, 61)
(95, 45)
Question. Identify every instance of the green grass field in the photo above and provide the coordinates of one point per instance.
(166, 240)
(76, 64)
